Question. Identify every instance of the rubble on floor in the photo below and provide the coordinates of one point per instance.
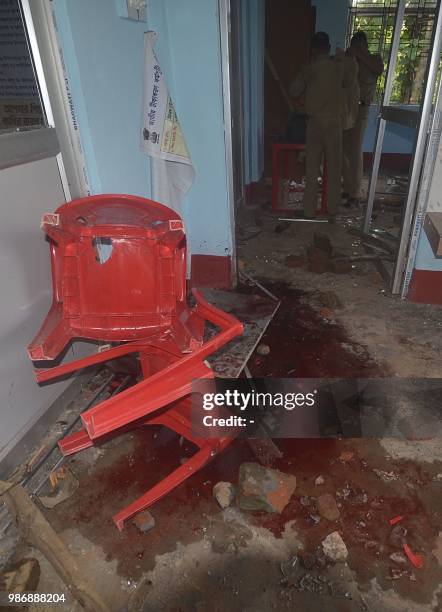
(334, 547)
(264, 489)
(224, 493)
(328, 508)
(144, 521)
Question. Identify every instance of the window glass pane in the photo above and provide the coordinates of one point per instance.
(20, 103)
(376, 18)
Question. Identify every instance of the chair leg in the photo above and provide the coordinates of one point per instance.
(76, 442)
(166, 485)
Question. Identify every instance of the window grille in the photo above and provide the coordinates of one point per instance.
(376, 19)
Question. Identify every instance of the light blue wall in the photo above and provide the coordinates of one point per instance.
(103, 55)
(332, 17)
(253, 50)
(425, 259)
(193, 53)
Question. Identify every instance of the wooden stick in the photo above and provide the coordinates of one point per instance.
(275, 75)
(36, 531)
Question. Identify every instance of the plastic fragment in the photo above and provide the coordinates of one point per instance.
(416, 560)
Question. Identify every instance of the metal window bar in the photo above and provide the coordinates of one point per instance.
(382, 122)
(377, 20)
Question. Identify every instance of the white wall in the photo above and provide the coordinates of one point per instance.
(332, 17)
(27, 192)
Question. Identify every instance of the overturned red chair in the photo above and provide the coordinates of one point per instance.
(119, 276)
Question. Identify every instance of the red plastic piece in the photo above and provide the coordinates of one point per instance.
(416, 560)
(130, 289)
(280, 162)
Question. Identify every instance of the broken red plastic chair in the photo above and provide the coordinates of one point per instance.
(119, 276)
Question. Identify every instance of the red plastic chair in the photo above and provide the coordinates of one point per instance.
(118, 269)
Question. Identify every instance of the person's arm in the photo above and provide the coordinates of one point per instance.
(373, 61)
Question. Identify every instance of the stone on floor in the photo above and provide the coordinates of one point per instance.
(264, 489)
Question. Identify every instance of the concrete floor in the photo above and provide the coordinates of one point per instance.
(199, 558)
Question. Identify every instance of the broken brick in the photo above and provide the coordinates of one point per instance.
(264, 489)
(144, 521)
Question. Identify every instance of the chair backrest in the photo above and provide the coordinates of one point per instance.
(118, 265)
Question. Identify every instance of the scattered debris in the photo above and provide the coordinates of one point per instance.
(398, 558)
(305, 500)
(346, 456)
(334, 547)
(397, 536)
(415, 559)
(312, 582)
(264, 489)
(373, 240)
(326, 313)
(224, 493)
(315, 584)
(352, 495)
(308, 561)
(320, 480)
(21, 577)
(386, 476)
(396, 573)
(327, 507)
(377, 504)
(144, 521)
(291, 570)
(263, 349)
(359, 498)
(63, 484)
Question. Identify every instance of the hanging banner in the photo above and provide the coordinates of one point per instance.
(161, 135)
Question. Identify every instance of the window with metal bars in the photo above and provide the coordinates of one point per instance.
(376, 19)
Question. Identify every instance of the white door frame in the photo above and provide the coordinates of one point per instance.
(55, 91)
(224, 26)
